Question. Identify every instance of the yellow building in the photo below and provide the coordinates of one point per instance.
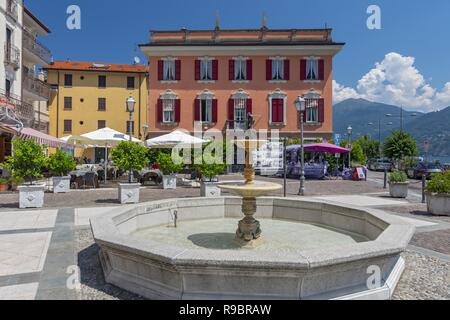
(88, 96)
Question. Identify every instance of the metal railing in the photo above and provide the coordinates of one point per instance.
(12, 56)
(36, 86)
(30, 43)
(16, 108)
(12, 9)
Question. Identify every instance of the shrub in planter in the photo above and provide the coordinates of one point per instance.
(169, 169)
(209, 170)
(438, 194)
(60, 164)
(4, 184)
(129, 156)
(26, 164)
(398, 184)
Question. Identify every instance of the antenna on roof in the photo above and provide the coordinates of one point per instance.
(217, 21)
(264, 20)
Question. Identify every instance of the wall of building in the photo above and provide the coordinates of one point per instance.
(16, 26)
(85, 114)
(259, 90)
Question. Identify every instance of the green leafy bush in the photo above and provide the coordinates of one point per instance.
(440, 183)
(167, 165)
(209, 168)
(398, 177)
(400, 145)
(130, 156)
(27, 161)
(60, 163)
(4, 181)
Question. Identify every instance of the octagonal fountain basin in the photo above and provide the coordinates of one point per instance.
(185, 249)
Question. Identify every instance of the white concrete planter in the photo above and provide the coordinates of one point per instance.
(31, 196)
(129, 193)
(439, 204)
(169, 182)
(209, 189)
(398, 189)
(61, 184)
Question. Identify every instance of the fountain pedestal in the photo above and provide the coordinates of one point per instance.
(248, 234)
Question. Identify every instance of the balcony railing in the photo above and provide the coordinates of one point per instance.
(16, 109)
(12, 9)
(36, 86)
(12, 56)
(30, 43)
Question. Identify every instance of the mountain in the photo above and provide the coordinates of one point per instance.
(358, 113)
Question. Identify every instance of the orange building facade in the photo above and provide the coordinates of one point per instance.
(216, 78)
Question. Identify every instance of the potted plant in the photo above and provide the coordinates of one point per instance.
(129, 156)
(27, 163)
(4, 184)
(210, 170)
(398, 184)
(169, 170)
(438, 194)
(60, 164)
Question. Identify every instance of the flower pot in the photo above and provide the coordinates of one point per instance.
(61, 184)
(169, 182)
(209, 189)
(398, 189)
(129, 192)
(4, 187)
(438, 203)
(31, 196)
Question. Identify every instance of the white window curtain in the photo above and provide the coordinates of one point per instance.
(168, 110)
(240, 70)
(312, 69)
(240, 113)
(277, 69)
(206, 70)
(206, 110)
(169, 70)
(312, 110)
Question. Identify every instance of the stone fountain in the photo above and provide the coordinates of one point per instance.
(249, 232)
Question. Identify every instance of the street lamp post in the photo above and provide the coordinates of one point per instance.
(349, 132)
(390, 115)
(130, 109)
(379, 136)
(300, 105)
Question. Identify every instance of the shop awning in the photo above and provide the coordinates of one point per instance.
(41, 138)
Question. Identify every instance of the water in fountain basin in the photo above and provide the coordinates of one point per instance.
(278, 235)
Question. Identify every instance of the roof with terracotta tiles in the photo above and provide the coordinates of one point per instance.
(96, 67)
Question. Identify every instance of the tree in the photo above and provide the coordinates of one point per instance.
(399, 145)
(370, 147)
(167, 165)
(27, 161)
(130, 156)
(60, 163)
(357, 154)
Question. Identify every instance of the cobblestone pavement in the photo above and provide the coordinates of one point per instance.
(38, 246)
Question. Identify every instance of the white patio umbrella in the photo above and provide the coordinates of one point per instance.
(79, 141)
(175, 139)
(108, 137)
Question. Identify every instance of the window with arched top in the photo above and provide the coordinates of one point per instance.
(169, 107)
(206, 108)
(277, 107)
(315, 107)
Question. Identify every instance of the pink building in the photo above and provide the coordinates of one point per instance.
(216, 77)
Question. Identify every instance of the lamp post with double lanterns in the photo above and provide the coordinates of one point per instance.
(349, 133)
(130, 109)
(300, 105)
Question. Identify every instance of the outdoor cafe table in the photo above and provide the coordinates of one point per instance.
(77, 176)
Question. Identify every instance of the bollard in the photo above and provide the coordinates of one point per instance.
(424, 186)
(385, 178)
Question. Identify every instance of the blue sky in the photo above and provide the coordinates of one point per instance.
(415, 29)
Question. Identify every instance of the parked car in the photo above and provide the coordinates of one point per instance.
(380, 165)
(423, 168)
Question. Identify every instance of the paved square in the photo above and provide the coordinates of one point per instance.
(19, 292)
(27, 220)
(83, 215)
(23, 253)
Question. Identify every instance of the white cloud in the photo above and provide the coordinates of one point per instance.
(396, 80)
(341, 93)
